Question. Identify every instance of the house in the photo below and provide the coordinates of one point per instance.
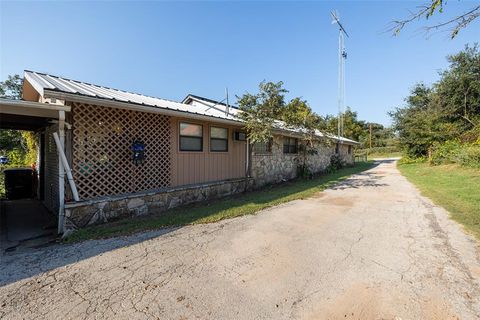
(107, 153)
(278, 159)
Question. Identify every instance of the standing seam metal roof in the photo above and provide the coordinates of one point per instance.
(53, 83)
(58, 84)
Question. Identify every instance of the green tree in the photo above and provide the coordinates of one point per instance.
(449, 110)
(352, 127)
(299, 116)
(381, 136)
(458, 93)
(12, 87)
(20, 146)
(260, 111)
(415, 123)
(267, 110)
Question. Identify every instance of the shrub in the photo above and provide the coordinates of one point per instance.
(304, 172)
(336, 163)
(445, 153)
(408, 160)
(16, 158)
(469, 156)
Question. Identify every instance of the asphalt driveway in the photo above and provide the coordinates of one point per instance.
(369, 248)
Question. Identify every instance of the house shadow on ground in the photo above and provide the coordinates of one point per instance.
(29, 262)
(366, 179)
(15, 266)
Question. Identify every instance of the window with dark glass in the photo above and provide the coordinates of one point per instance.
(290, 145)
(349, 149)
(218, 139)
(262, 147)
(191, 137)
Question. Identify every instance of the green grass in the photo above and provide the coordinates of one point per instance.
(372, 156)
(239, 205)
(455, 188)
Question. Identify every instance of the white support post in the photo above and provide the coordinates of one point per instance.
(66, 166)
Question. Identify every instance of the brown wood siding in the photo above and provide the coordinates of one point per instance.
(196, 167)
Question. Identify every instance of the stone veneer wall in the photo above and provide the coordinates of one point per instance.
(84, 213)
(276, 166)
(348, 158)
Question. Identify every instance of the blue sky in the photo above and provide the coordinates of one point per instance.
(170, 49)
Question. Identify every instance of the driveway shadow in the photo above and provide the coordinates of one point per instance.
(29, 262)
(361, 180)
(365, 179)
(18, 265)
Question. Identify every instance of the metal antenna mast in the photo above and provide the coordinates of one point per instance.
(227, 109)
(342, 56)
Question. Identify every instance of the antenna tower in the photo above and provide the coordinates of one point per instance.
(342, 56)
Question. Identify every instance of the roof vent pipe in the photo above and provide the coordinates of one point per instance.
(227, 108)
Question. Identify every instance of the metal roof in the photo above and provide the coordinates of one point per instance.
(279, 125)
(190, 97)
(45, 83)
(49, 84)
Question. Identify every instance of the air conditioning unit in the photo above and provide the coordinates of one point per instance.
(239, 136)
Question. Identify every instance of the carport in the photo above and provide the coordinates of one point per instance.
(44, 119)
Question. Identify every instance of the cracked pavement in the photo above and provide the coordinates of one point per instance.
(369, 248)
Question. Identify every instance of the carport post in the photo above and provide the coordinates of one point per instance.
(61, 172)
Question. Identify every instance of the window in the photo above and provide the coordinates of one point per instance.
(349, 149)
(240, 136)
(191, 137)
(218, 139)
(290, 145)
(262, 147)
(337, 148)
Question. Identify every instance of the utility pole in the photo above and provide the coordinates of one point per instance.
(370, 136)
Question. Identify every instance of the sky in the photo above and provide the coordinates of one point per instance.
(171, 49)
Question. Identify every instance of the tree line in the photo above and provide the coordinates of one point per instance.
(442, 121)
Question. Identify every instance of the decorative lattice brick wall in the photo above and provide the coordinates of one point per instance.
(102, 156)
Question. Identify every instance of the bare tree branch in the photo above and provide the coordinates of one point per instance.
(428, 10)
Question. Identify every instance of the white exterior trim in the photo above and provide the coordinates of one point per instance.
(29, 108)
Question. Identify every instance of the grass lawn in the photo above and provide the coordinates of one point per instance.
(239, 205)
(455, 188)
(372, 156)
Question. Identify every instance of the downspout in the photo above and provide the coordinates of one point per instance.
(61, 172)
(247, 169)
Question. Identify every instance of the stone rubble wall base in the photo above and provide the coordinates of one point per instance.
(276, 166)
(90, 212)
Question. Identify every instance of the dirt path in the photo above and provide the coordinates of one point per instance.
(370, 248)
